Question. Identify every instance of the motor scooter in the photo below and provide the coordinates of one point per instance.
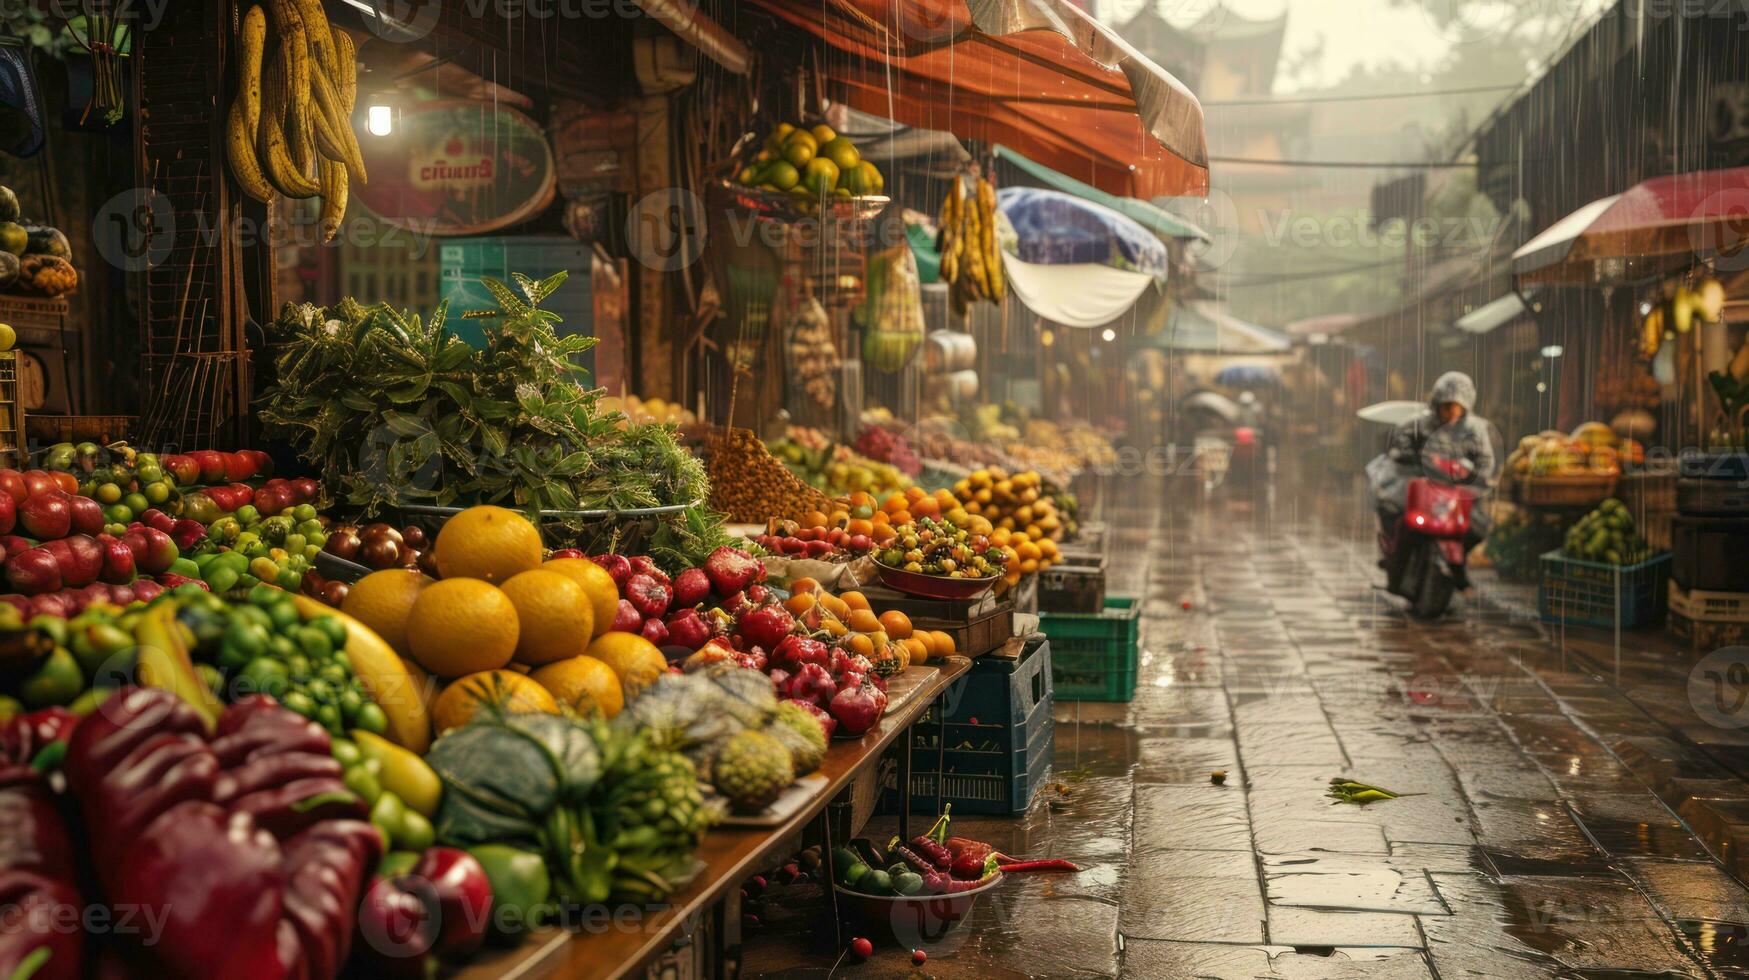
(1424, 552)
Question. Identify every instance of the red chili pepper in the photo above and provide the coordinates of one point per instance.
(962, 846)
(1050, 864)
(917, 862)
(937, 853)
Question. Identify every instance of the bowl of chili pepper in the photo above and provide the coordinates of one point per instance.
(912, 921)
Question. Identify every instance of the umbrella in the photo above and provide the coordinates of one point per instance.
(1494, 315)
(1208, 327)
(1329, 323)
(1055, 228)
(1149, 215)
(1245, 375)
(1677, 219)
(1214, 402)
(1392, 413)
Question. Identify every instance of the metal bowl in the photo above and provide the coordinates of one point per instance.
(934, 586)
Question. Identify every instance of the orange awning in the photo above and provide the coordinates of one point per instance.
(1039, 75)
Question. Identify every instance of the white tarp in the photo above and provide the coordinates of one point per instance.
(1083, 295)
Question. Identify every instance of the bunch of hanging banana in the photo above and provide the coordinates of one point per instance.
(289, 130)
(971, 264)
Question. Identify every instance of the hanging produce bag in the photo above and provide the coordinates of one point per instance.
(891, 312)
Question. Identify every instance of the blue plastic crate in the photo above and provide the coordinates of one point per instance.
(1591, 593)
(995, 733)
(1094, 655)
(980, 783)
(1000, 690)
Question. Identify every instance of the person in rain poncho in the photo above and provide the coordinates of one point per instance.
(1450, 428)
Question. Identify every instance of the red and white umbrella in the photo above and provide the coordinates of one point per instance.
(1682, 219)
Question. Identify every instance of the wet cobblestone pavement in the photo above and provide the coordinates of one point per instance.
(1566, 825)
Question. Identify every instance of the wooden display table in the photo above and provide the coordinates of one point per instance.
(614, 945)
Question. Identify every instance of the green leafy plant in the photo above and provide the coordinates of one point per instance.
(395, 410)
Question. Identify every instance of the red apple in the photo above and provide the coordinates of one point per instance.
(34, 571)
(262, 462)
(237, 467)
(627, 620)
(154, 517)
(87, 563)
(86, 515)
(52, 604)
(212, 465)
(40, 481)
(183, 468)
(118, 561)
(269, 501)
(12, 544)
(308, 489)
(46, 515)
(12, 483)
(160, 552)
(9, 512)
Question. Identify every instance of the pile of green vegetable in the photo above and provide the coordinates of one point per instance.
(614, 817)
(1607, 534)
(393, 409)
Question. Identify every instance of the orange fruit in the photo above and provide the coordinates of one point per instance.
(835, 627)
(896, 623)
(943, 643)
(835, 605)
(583, 684)
(382, 600)
(946, 499)
(488, 543)
(860, 643)
(926, 507)
(855, 600)
(462, 626)
(913, 493)
(553, 613)
(902, 517)
(599, 586)
(883, 533)
(804, 584)
(917, 650)
(799, 604)
(462, 700)
(861, 498)
(881, 519)
(894, 503)
(634, 660)
(1027, 551)
(864, 621)
(858, 526)
(837, 518)
(814, 518)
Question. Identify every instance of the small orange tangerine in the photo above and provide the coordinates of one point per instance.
(913, 493)
(902, 517)
(919, 651)
(834, 605)
(896, 623)
(838, 517)
(864, 621)
(860, 527)
(855, 600)
(881, 519)
(804, 584)
(894, 503)
(883, 532)
(926, 507)
(835, 627)
(943, 643)
(799, 603)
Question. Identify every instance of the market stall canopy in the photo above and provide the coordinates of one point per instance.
(1206, 327)
(1150, 216)
(888, 143)
(1494, 315)
(1039, 74)
(1700, 215)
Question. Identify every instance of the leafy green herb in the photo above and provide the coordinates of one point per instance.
(395, 410)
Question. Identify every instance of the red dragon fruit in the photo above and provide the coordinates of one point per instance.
(691, 587)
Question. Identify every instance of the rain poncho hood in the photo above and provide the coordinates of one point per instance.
(1454, 386)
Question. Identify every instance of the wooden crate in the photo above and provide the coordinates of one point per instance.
(977, 627)
(1583, 490)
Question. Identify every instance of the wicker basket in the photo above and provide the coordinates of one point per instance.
(1581, 490)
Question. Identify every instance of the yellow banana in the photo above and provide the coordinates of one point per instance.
(270, 139)
(331, 115)
(245, 114)
(333, 178)
(163, 662)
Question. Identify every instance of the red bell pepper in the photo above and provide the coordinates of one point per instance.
(39, 872)
(179, 826)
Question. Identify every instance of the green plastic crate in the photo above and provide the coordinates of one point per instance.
(1093, 655)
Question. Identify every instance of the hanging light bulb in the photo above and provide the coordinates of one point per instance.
(380, 118)
(1047, 338)
(1108, 334)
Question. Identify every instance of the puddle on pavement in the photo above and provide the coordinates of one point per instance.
(1348, 882)
(1724, 946)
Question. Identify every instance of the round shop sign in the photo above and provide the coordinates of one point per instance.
(457, 168)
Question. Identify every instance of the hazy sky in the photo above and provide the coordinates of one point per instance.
(1404, 34)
